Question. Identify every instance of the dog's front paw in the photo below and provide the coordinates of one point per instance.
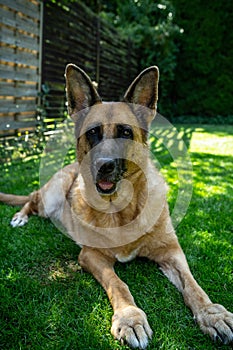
(19, 219)
(130, 325)
(216, 321)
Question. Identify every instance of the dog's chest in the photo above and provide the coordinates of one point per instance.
(124, 257)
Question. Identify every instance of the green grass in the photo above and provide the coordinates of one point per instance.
(47, 302)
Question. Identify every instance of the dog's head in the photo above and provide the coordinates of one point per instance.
(107, 131)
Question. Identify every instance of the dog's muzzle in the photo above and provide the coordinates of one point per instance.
(108, 172)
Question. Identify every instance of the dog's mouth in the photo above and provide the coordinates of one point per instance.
(108, 173)
(106, 187)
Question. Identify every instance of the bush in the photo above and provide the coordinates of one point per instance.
(150, 27)
(203, 84)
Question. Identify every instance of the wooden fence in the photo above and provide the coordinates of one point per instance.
(19, 64)
(75, 35)
(38, 39)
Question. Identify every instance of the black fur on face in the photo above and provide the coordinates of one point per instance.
(108, 164)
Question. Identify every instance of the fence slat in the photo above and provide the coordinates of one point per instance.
(71, 34)
(71, 37)
(11, 37)
(19, 73)
(10, 19)
(12, 125)
(20, 65)
(17, 90)
(29, 8)
(19, 106)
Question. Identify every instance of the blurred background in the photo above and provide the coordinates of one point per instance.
(191, 43)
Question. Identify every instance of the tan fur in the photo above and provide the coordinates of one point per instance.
(65, 198)
(12, 199)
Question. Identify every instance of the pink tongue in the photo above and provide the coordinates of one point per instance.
(105, 185)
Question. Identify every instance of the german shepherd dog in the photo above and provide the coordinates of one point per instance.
(112, 202)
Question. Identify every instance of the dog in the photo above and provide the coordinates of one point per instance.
(112, 202)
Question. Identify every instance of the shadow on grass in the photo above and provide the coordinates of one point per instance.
(212, 175)
(168, 140)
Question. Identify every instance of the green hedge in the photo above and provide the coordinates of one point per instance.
(203, 79)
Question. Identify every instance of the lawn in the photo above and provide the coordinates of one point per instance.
(48, 302)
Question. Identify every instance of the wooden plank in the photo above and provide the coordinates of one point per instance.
(18, 90)
(58, 66)
(18, 73)
(18, 68)
(29, 8)
(70, 44)
(12, 125)
(76, 15)
(26, 117)
(12, 19)
(11, 106)
(8, 54)
(18, 39)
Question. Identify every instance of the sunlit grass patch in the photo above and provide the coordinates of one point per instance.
(213, 139)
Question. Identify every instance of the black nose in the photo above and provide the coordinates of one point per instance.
(105, 165)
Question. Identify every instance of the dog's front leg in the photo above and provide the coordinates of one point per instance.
(213, 319)
(129, 323)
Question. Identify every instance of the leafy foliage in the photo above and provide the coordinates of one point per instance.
(151, 28)
(191, 43)
(204, 72)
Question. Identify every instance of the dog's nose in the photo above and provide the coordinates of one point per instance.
(105, 165)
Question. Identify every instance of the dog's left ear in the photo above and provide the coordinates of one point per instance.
(144, 89)
(79, 89)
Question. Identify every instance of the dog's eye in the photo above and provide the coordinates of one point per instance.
(92, 132)
(94, 135)
(124, 132)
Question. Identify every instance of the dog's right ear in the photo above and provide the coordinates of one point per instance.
(144, 89)
(79, 90)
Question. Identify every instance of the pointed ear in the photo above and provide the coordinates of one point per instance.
(144, 89)
(79, 90)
